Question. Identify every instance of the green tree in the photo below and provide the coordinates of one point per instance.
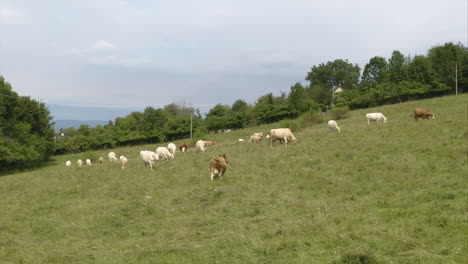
(420, 70)
(397, 67)
(444, 58)
(374, 73)
(336, 73)
(324, 77)
(154, 121)
(299, 101)
(26, 134)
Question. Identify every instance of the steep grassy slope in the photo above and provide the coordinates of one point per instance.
(385, 193)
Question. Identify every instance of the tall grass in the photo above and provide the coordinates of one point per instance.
(385, 193)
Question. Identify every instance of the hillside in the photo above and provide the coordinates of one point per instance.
(385, 193)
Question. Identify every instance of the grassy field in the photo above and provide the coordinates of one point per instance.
(385, 193)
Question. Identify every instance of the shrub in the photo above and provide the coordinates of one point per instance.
(310, 119)
(290, 123)
(339, 113)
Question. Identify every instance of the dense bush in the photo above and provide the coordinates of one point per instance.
(26, 134)
(293, 124)
(339, 113)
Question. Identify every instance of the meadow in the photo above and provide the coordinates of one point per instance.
(384, 193)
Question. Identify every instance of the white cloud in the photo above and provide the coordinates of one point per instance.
(11, 16)
(103, 45)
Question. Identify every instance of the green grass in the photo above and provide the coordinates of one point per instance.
(385, 193)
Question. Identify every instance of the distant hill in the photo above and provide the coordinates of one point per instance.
(76, 123)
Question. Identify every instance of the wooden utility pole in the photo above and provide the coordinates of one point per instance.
(456, 80)
(191, 122)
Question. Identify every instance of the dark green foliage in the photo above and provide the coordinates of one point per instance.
(26, 135)
(374, 73)
(444, 58)
(397, 67)
(336, 73)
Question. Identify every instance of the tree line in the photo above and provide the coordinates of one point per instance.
(26, 133)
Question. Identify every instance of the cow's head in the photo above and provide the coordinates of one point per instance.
(224, 156)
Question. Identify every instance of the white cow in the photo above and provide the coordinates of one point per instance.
(172, 148)
(281, 134)
(164, 153)
(378, 117)
(88, 162)
(68, 164)
(124, 162)
(255, 139)
(79, 163)
(200, 145)
(333, 126)
(149, 158)
(112, 157)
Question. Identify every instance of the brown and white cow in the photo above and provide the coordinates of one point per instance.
(218, 166)
(183, 147)
(421, 113)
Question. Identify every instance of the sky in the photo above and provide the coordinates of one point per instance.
(120, 55)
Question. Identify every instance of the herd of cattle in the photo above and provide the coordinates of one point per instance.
(218, 165)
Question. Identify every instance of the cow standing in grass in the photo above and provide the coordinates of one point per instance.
(218, 166)
(377, 117)
(183, 147)
(422, 113)
(333, 126)
(281, 134)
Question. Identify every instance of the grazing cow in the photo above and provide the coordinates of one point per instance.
(101, 160)
(124, 162)
(200, 145)
(88, 162)
(68, 164)
(183, 147)
(149, 158)
(112, 157)
(79, 163)
(172, 148)
(218, 166)
(164, 153)
(375, 117)
(260, 134)
(254, 139)
(209, 143)
(333, 126)
(422, 113)
(280, 134)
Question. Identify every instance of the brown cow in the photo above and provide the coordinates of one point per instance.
(209, 143)
(183, 147)
(421, 113)
(218, 166)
